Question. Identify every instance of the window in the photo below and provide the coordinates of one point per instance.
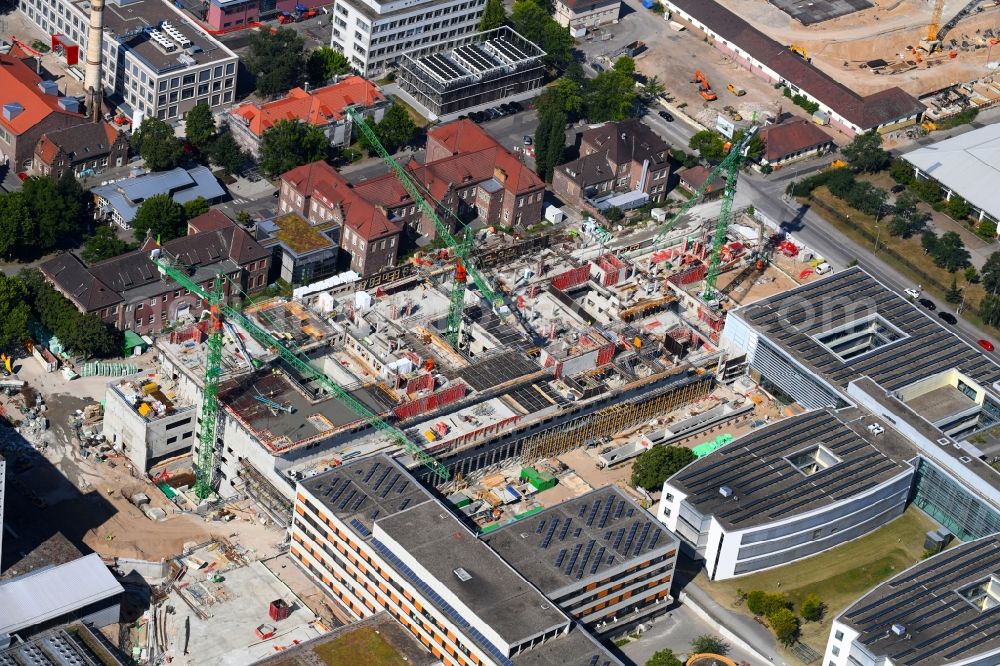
(175, 83)
(152, 318)
(217, 72)
(230, 68)
(202, 89)
(215, 100)
(204, 75)
(188, 79)
(152, 302)
(838, 636)
(187, 93)
(835, 650)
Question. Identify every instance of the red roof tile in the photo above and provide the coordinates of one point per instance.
(791, 137)
(18, 83)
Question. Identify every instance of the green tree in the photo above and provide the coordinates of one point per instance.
(710, 145)
(989, 309)
(760, 602)
(325, 63)
(195, 207)
(535, 23)
(990, 272)
(664, 657)
(614, 214)
(954, 294)
(785, 626)
(16, 226)
(987, 229)
(288, 144)
(14, 312)
(550, 142)
(199, 126)
(929, 241)
(609, 96)
(161, 216)
(103, 244)
(227, 153)
(564, 94)
(656, 465)
(157, 145)
(709, 644)
(812, 608)
(756, 146)
(906, 217)
(494, 15)
(395, 130)
(652, 89)
(56, 209)
(625, 65)
(277, 59)
(867, 198)
(865, 153)
(971, 275)
(949, 252)
(901, 171)
(92, 337)
(958, 207)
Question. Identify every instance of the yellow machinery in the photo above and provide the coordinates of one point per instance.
(930, 41)
(799, 50)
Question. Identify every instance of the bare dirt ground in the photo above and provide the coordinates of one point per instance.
(840, 45)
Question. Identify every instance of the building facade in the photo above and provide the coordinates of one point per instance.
(149, 426)
(29, 108)
(583, 14)
(83, 150)
(375, 35)
(320, 107)
(156, 62)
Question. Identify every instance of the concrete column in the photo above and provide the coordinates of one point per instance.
(92, 74)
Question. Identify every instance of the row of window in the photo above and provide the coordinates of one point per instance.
(417, 18)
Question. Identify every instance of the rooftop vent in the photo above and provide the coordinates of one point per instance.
(875, 429)
(12, 110)
(898, 629)
(69, 104)
(463, 575)
(966, 459)
(48, 87)
(726, 491)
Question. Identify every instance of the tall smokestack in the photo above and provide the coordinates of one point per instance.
(92, 74)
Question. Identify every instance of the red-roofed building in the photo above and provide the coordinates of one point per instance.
(323, 198)
(82, 149)
(793, 140)
(322, 107)
(30, 107)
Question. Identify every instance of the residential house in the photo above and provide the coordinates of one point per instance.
(616, 158)
(319, 195)
(129, 292)
(583, 14)
(30, 107)
(82, 149)
(322, 108)
(793, 140)
(119, 201)
(693, 179)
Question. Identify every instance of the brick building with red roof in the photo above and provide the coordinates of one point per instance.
(322, 107)
(30, 107)
(88, 147)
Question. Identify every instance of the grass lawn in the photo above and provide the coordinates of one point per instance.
(861, 230)
(363, 647)
(838, 576)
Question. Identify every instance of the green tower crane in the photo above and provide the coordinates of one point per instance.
(206, 456)
(205, 467)
(463, 251)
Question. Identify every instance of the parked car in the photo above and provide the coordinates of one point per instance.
(666, 115)
(947, 318)
(912, 292)
(527, 140)
(896, 189)
(927, 303)
(517, 106)
(985, 344)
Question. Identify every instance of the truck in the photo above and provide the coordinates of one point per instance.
(631, 50)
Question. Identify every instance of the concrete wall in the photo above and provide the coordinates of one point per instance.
(142, 440)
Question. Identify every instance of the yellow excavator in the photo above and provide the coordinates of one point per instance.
(798, 50)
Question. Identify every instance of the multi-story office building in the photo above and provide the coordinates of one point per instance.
(373, 538)
(156, 62)
(793, 489)
(374, 34)
(942, 611)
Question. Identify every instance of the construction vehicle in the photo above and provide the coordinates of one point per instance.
(838, 164)
(736, 90)
(928, 126)
(799, 51)
(732, 113)
(935, 32)
(704, 89)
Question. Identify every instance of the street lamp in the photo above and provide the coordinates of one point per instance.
(878, 228)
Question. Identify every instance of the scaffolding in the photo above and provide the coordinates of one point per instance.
(265, 494)
(592, 428)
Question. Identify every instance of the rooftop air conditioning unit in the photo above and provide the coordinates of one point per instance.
(726, 491)
(898, 629)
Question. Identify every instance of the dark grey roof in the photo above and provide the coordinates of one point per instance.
(583, 538)
(865, 112)
(70, 276)
(939, 626)
(616, 144)
(430, 534)
(577, 648)
(791, 319)
(126, 271)
(85, 141)
(365, 490)
(767, 487)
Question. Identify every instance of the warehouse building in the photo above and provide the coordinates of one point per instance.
(787, 491)
(156, 63)
(848, 340)
(967, 165)
(941, 611)
(374, 539)
(491, 66)
(601, 557)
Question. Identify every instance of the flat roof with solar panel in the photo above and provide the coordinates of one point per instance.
(944, 610)
(586, 538)
(794, 466)
(361, 492)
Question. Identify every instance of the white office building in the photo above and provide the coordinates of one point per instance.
(374, 35)
(156, 62)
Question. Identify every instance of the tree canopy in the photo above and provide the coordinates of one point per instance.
(709, 644)
(395, 130)
(494, 15)
(288, 144)
(103, 244)
(710, 145)
(85, 334)
(44, 215)
(162, 216)
(226, 153)
(14, 312)
(550, 141)
(906, 218)
(533, 20)
(325, 63)
(199, 126)
(949, 252)
(658, 464)
(276, 59)
(991, 273)
(157, 145)
(664, 657)
(610, 96)
(865, 153)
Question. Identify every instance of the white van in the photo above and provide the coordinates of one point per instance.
(824, 268)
